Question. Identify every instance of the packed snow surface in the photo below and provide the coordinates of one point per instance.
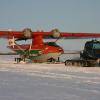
(48, 81)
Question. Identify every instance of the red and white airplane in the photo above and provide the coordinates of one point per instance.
(38, 50)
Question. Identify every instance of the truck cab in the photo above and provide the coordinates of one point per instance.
(91, 50)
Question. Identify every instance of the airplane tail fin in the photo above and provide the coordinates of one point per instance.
(11, 42)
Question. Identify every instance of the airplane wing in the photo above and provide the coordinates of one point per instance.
(27, 33)
(10, 34)
(72, 35)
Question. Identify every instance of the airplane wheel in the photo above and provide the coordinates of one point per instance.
(18, 60)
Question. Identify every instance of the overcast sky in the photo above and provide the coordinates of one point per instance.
(66, 15)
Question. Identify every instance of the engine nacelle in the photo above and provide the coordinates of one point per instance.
(27, 33)
(56, 33)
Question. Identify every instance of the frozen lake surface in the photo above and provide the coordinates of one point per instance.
(48, 82)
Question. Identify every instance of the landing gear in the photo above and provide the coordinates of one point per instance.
(18, 60)
(51, 60)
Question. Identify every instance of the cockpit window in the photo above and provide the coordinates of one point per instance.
(52, 44)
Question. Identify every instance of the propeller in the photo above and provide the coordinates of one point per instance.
(27, 32)
(56, 33)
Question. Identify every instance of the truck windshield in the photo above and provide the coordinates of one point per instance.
(96, 46)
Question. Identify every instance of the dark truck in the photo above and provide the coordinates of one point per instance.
(90, 56)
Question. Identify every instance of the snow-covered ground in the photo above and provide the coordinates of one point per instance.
(48, 82)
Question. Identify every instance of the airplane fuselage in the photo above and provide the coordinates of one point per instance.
(38, 51)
